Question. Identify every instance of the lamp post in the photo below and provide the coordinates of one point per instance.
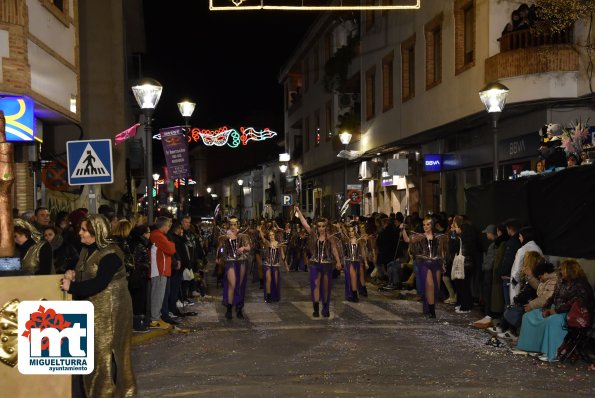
(186, 110)
(241, 183)
(155, 179)
(493, 97)
(147, 94)
(345, 138)
(283, 162)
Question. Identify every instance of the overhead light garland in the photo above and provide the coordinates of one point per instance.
(343, 5)
(227, 136)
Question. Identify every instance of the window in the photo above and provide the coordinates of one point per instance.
(59, 8)
(58, 4)
(433, 33)
(306, 133)
(408, 69)
(464, 12)
(316, 59)
(370, 15)
(370, 93)
(387, 81)
(328, 120)
(317, 127)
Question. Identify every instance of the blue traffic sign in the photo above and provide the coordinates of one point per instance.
(90, 162)
(287, 200)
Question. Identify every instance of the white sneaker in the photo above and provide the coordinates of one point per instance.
(506, 335)
(545, 359)
(179, 304)
(195, 294)
(458, 307)
(495, 330)
(460, 311)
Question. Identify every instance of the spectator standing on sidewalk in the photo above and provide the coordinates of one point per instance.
(138, 278)
(161, 253)
(512, 246)
(465, 232)
(497, 299)
(386, 244)
(486, 268)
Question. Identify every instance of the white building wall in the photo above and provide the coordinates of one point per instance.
(51, 78)
(53, 33)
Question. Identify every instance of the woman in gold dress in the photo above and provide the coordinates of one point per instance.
(100, 278)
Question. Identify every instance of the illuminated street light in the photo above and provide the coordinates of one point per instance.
(494, 97)
(147, 94)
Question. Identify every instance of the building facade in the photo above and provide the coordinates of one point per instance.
(415, 76)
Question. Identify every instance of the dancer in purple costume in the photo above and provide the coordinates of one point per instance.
(429, 250)
(273, 254)
(354, 254)
(324, 253)
(232, 250)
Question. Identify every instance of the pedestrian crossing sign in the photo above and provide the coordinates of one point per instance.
(89, 162)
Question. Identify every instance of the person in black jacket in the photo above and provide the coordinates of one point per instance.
(468, 242)
(138, 278)
(65, 254)
(512, 245)
(386, 246)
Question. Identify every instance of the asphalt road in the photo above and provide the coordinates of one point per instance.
(380, 347)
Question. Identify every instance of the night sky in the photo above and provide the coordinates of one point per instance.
(228, 62)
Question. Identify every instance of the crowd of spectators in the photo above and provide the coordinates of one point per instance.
(47, 247)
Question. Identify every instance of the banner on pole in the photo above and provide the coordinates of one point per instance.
(175, 148)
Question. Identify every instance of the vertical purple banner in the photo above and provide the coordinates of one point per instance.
(175, 148)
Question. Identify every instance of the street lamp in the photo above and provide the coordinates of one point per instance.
(147, 94)
(209, 190)
(186, 110)
(345, 138)
(493, 97)
(283, 160)
(240, 183)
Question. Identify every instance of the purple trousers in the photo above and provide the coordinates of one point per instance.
(237, 267)
(325, 272)
(275, 276)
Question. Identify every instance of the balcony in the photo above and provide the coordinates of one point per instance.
(526, 39)
(524, 53)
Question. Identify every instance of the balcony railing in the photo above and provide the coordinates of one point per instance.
(526, 39)
(523, 53)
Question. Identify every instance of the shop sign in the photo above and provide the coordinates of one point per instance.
(440, 162)
(519, 147)
(432, 162)
(20, 120)
(398, 182)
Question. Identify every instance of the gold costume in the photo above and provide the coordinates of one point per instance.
(113, 328)
(30, 263)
